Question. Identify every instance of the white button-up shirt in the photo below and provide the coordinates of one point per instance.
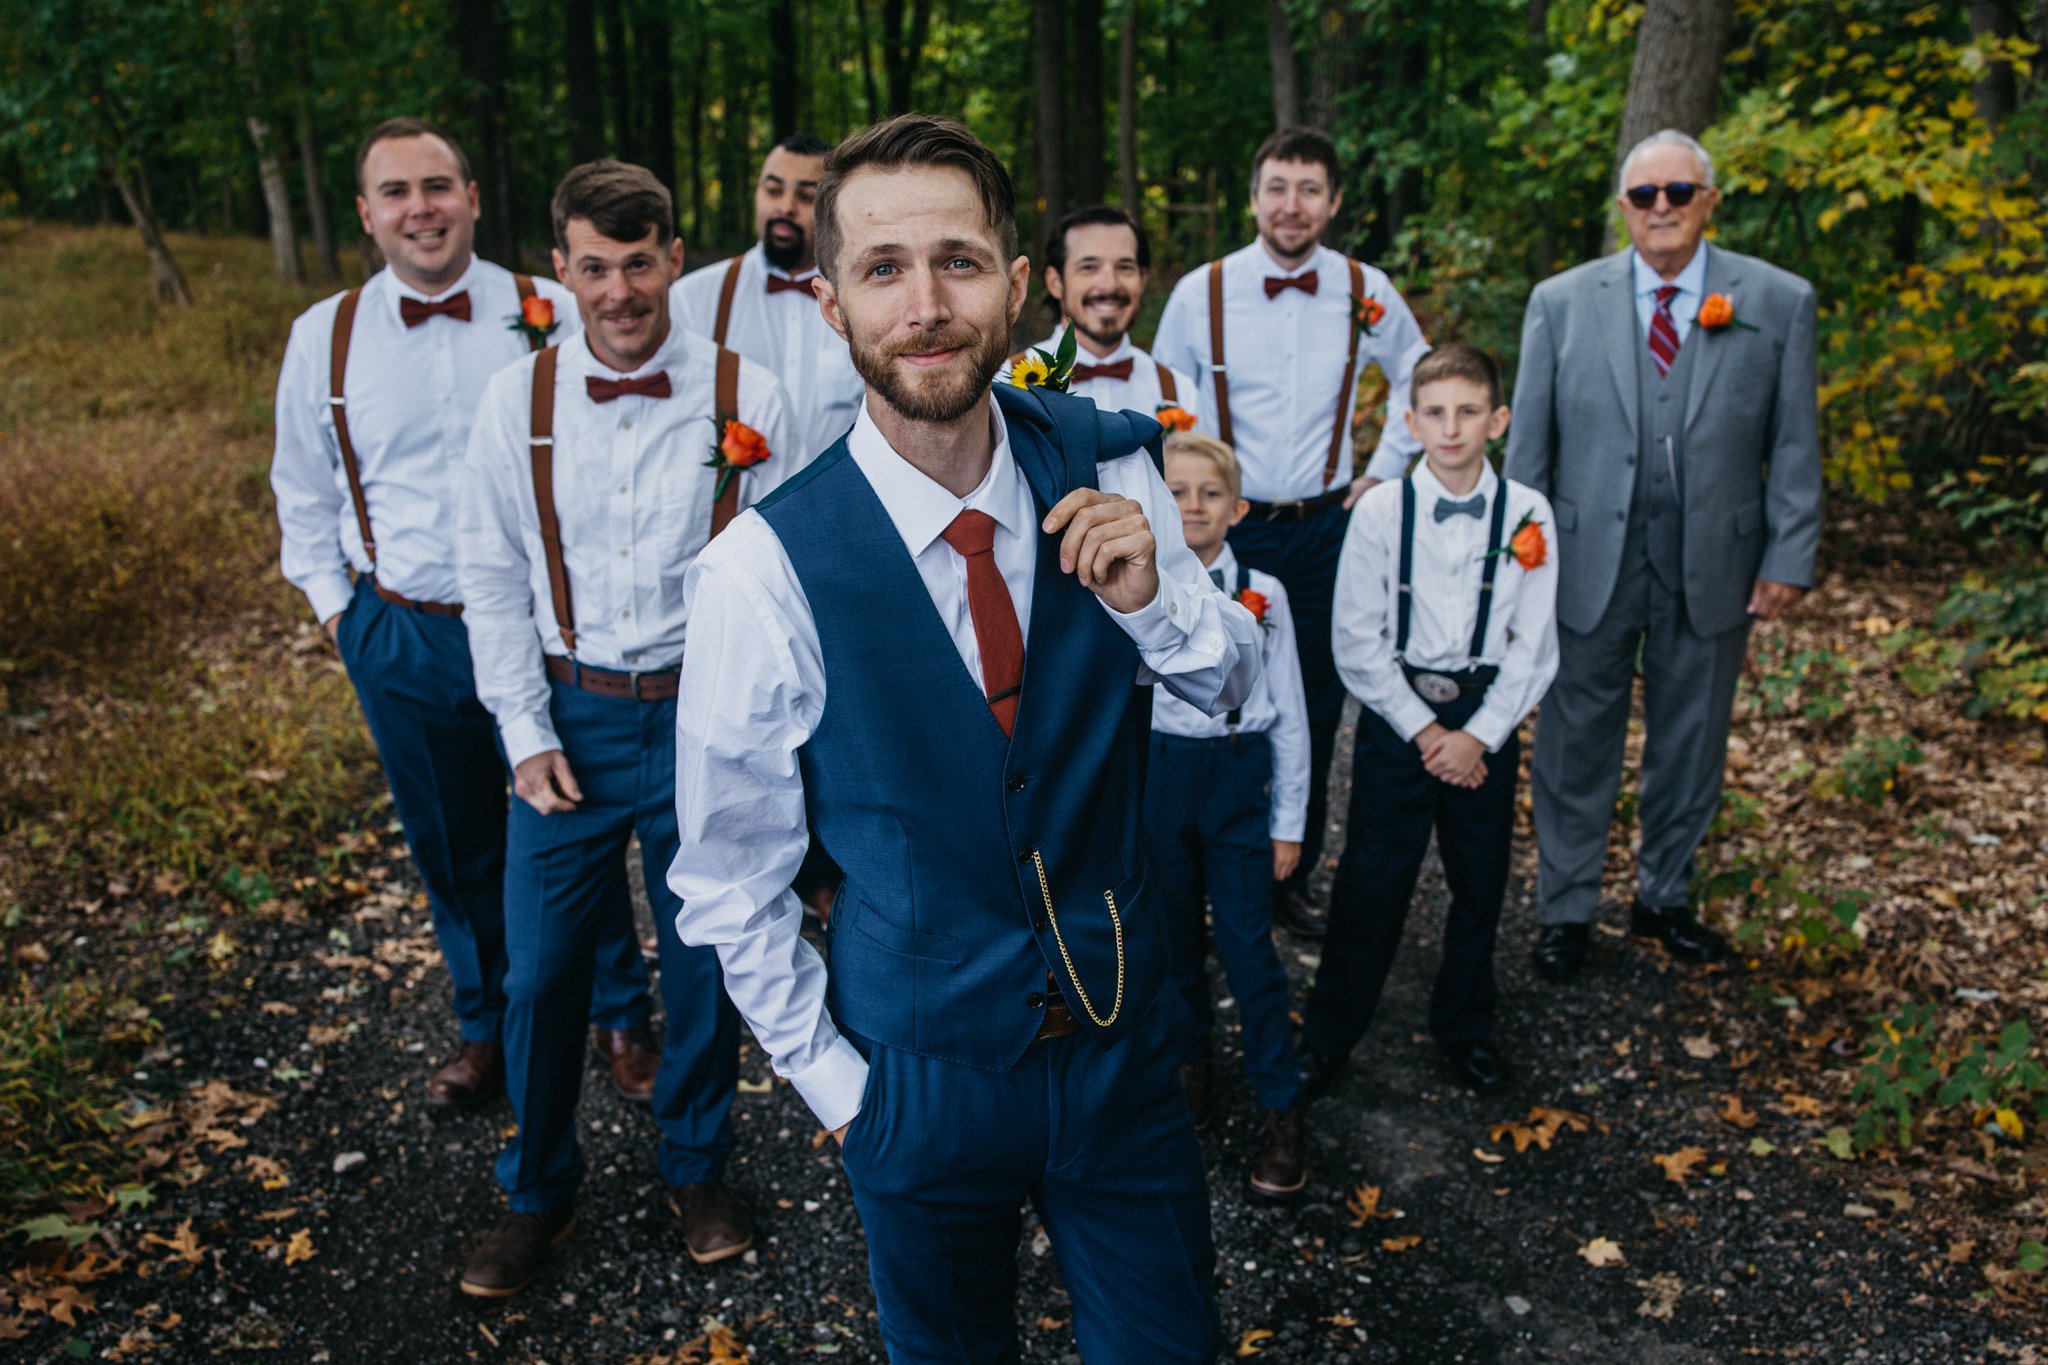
(1285, 358)
(785, 332)
(633, 500)
(753, 689)
(1521, 630)
(411, 394)
(1685, 305)
(1276, 708)
(1142, 392)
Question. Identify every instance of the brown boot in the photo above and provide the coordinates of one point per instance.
(1281, 1167)
(715, 1223)
(473, 1076)
(1197, 1080)
(513, 1252)
(634, 1057)
(1299, 915)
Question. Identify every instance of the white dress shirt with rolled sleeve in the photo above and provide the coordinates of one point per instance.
(1276, 708)
(785, 332)
(1284, 358)
(753, 688)
(633, 500)
(412, 392)
(1521, 629)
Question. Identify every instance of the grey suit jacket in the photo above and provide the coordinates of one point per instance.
(1752, 481)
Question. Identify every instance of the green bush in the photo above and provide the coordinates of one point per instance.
(2001, 1085)
(1813, 682)
(1870, 770)
(1813, 929)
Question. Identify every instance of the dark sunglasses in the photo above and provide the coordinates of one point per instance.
(1679, 193)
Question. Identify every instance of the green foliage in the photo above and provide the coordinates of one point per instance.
(1813, 682)
(59, 1122)
(1908, 1079)
(1870, 770)
(1901, 1066)
(2004, 614)
(1811, 930)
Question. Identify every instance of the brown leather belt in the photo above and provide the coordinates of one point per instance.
(1300, 509)
(399, 599)
(1059, 1021)
(657, 686)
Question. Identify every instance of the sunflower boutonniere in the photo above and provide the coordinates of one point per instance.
(1039, 368)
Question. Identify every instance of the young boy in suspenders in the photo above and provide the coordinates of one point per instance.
(1446, 632)
(1225, 799)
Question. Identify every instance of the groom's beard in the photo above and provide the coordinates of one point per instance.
(942, 397)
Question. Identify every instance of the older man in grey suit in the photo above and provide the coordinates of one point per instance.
(1680, 455)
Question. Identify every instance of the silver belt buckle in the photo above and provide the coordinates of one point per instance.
(1435, 687)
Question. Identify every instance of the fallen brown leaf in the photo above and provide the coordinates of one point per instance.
(1732, 1111)
(299, 1248)
(1678, 1166)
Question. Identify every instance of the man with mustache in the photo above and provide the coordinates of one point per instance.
(373, 410)
(1096, 267)
(938, 643)
(586, 497)
(1274, 336)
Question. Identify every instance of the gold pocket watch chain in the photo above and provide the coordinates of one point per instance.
(1116, 923)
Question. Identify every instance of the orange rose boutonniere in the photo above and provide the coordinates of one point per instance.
(1717, 314)
(536, 320)
(1367, 311)
(1526, 546)
(1175, 418)
(739, 447)
(1256, 604)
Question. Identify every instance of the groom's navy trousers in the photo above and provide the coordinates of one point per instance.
(439, 747)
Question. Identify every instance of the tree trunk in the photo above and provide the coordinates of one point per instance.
(277, 203)
(1677, 71)
(653, 44)
(867, 61)
(902, 48)
(1286, 74)
(1334, 68)
(1543, 241)
(481, 41)
(1127, 116)
(316, 186)
(164, 274)
(785, 74)
(1087, 119)
(1049, 113)
(697, 83)
(624, 145)
(1996, 90)
(579, 68)
(735, 202)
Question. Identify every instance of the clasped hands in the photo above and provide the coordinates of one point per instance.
(1452, 756)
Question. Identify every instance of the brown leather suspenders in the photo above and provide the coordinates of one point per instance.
(727, 408)
(1169, 392)
(725, 293)
(1221, 373)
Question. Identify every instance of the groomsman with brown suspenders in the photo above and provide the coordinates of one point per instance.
(1299, 320)
(373, 411)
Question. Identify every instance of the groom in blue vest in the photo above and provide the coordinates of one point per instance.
(939, 642)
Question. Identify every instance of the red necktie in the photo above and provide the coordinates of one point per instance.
(780, 284)
(647, 385)
(1119, 370)
(1276, 285)
(417, 311)
(1663, 331)
(973, 536)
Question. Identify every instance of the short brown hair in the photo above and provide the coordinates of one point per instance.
(1298, 143)
(619, 199)
(916, 140)
(393, 128)
(1203, 446)
(1456, 360)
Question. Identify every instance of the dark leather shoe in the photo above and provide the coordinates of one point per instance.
(1478, 1064)
(1681, 934)
(715, 1223)
(1318, 1073)
(1197, 1080)
(1299, 915)
(1281, 1168)
(514, 1251)
(1561, 950)
(634, 1057)
(474, 1075)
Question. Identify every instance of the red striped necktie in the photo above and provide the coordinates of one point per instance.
(1663, 331)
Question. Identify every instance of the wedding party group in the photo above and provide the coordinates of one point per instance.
(961, 701)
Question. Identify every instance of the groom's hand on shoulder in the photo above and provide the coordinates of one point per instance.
(1108, 545)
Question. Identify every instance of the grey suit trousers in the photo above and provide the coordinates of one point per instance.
(1582, 731)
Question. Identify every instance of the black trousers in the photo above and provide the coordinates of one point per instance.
(1395, 804)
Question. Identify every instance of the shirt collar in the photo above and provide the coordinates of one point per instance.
(1084, 356)
(1226, 563)
(1268, 266)
(1428, 488)
(917, 505)
(398, 289)
(668, 358)
(1691, 281)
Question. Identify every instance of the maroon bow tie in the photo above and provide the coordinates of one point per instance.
(781, 284)
(416, 311)
(1276, 285)
(648, 385)
(1120, 369)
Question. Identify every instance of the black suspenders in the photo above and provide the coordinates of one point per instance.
(1492, 562)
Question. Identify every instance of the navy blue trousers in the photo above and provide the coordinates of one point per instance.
(439, 747)
(565, 892)
(1395, 804)
(942, 1159)
(1208, 833)
(1303, 556)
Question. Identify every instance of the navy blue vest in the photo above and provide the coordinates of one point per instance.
(975, 864)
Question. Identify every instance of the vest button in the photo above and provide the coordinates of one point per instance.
(1034, 1001)
(1039, 923)
(1016, 784)
(1025, 856)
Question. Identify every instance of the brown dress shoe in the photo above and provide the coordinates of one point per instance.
(1197, 1080)
(1281, 1168)
(1299, 915)
(715, 1223)
(634, 1057)
(473, 1076)
(513, 1252)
